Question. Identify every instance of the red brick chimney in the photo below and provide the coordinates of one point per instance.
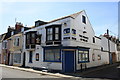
(18, 26)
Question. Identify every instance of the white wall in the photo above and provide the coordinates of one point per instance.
(104, 41)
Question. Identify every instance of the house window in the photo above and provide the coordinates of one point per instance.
(101, 48)
(53, 33)
(83, 56)
(28, 38)
(16, 41)
(93, 40)
(30, 56)
(52, 55)
(37, 56)
(4, 45)
(73, 31)
(56, 33)
(66, 31)
(49, 34)
(84, 19)
(32, 38)
(17, 57)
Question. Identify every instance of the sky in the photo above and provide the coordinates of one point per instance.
(102, 15)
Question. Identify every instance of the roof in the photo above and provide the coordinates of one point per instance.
(72, 16)
(97, 37)
(3, 36)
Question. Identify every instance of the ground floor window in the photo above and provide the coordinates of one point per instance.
(52, 55)
(37, 56)
(30, 56)
(83, 56)
(17, 58)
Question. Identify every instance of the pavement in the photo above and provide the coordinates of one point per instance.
(77, 75)
(39, 72)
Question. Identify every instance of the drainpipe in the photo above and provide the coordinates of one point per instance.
(110, 62)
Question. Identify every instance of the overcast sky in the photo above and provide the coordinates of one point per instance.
(102, 15)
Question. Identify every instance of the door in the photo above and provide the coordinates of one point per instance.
(68, 61)
(24, 56)
(8, 58)
(114, 58)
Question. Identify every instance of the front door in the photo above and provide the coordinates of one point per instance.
(68, 61)
(24, 59)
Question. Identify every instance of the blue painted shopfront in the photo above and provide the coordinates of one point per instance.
(67, 57)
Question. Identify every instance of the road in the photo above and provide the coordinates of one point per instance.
(106, 73)
(13, 74)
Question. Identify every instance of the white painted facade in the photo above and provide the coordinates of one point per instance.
(96, 57)
(104, 41)
(113, 48)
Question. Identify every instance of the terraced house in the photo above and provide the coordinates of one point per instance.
(67, 44)
(11, 45)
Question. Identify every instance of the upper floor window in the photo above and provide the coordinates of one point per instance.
(49, 34)
(56, 33)
(53, 33)
(17, 41)
(4, 45)
(67, 30)
(83, 19)
(93, 40)
(28, 38)
(31, 38)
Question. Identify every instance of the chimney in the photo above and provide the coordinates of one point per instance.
(10, 29)
(18, 26)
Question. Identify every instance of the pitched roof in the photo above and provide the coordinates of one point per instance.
(72, 16)
(3, 36)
